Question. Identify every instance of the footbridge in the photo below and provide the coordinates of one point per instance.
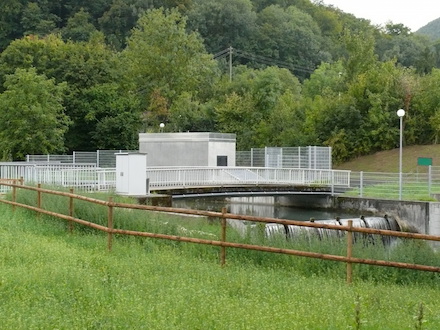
(245, 179)
(162, 179)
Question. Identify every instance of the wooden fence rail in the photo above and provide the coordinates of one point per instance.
(222, 243)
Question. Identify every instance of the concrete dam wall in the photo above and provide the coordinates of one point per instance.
(423, 217)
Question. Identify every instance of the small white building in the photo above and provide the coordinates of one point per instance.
(188, 149)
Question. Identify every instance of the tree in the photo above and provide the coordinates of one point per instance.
(360, 53)
(112, 118)
(327, 80)
(122, 15)
(10, 27)
(237, 115)
(290, 35)
(68, 8)
(36, 22)
(117, 22)
(286, 123)
(81, 65)
(79, 27)
(397, 29)
(162, 61)
(223, 23)
(32, 115)
(356, 114)
(188, 113)
(425, 110)
(300, 4)
(257, 103)
(46, 55)
(410, 50)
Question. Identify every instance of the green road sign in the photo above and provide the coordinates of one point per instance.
(422, 161)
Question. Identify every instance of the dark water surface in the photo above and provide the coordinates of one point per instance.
(257, 206)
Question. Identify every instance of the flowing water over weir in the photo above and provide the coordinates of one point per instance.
(292, 231)
(266, 207)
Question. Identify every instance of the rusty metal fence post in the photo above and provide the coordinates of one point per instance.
(349, 252)
(223, 238)
(110, 223)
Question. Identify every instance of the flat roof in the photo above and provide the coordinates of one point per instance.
(188, 136)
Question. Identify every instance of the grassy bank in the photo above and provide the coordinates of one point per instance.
(50, 279)
(388, 161)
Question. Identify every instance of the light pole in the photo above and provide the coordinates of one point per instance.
(161, 126)
(400, 114)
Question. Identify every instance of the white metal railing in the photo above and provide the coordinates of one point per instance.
(186, 177)
(88, 177)
(83, 176)
(91, 178)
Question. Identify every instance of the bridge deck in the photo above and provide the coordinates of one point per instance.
(263, 189)
(167, 179)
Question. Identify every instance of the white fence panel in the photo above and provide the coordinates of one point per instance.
(90, 178)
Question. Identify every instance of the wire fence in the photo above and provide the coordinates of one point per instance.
(413, 186)
(101, 158)
(311, 157)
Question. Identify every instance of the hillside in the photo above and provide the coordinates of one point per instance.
(432, 29)
(388, 161)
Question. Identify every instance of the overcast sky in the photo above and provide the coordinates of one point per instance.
(412, 13)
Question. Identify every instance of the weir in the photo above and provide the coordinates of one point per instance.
(293, 232)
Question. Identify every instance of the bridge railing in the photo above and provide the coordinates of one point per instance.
(88, 177)
(80, 176)
(184, 177)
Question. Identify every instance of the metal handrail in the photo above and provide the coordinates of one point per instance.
(88, 177)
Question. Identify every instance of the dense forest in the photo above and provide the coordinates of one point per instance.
(86, 75)
(432, 29)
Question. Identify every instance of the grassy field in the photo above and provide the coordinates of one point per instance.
(50, 279)
(388, 161)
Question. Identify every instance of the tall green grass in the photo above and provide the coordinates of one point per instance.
(366, 247)
(52, 280)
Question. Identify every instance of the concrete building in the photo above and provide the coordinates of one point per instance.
(188, 149)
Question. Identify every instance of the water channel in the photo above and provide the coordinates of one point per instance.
(258, 206)
(266, 207)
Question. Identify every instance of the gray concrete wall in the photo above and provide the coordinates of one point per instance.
(187, 149)
(424, 217)
(434, 222)
(221, 148)
(411, 214)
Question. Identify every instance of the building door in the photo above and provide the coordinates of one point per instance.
(222, 160)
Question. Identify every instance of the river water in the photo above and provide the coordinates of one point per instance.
(258, 206)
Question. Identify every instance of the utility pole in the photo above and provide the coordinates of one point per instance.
(230, 64)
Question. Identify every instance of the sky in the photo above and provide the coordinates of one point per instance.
(411, 13)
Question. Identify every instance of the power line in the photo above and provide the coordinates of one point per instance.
(261, 59)
(222, 53)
